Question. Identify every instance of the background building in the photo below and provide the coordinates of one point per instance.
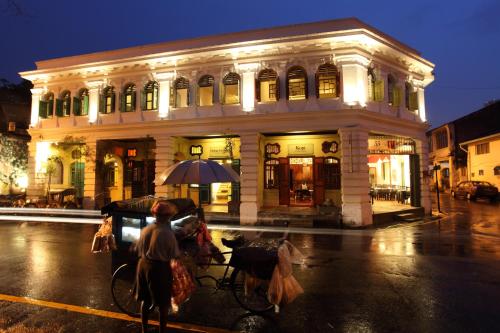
(447, 146)
(329, 110)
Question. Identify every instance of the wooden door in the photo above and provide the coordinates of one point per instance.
(319, 180)
(284, 181)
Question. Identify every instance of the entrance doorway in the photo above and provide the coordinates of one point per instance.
(301, 181)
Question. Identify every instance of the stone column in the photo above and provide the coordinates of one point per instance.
(425, 195)
(354, 70)
(89, 180)
(356, 205)
(164, 156)
(248, 85)
(164, 83)
(249, 152)
(36, 94)
(421, 104)
(35, 185)
(93, 87)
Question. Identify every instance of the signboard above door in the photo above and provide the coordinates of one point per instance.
(301, 149)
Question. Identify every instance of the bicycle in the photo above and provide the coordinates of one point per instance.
(255, 300)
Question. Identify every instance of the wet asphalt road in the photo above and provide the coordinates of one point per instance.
(421, 277)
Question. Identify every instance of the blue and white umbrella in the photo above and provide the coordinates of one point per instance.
(197, 172)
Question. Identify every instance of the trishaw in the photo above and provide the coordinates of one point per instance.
(130, 216)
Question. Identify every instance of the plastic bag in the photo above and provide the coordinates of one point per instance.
(182, 283)
(275, 291)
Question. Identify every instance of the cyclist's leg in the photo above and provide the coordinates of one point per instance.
(163, 317)
(145, 308)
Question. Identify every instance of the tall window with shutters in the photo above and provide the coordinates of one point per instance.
(327, 81)
(81, 103)
(128, 98)
(267, 87)
(271, 173)
(393, 91)
(411, 97)
(108, 100)
(296, 83)
(46, 106)
(231, 89)
(181, 87)
(206, 90)
(332, 173)
(66, 103)
(150, 96)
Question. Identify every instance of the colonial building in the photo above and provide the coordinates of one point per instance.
(483, 159)
(448, 145)
(306, 113)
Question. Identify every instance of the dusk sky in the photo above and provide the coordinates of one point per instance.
(462, 38)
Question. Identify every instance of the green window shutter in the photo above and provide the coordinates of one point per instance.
(257, 90)
(42, 109)
(222, 93)
(59, 108)
(413, 101)
(85, 106)
(171, 99)
(397, 96)
(113, 102)
(102, 103)
(143, 100)
(134, 93)
(50, 108)
(379, 91)
(76, 106)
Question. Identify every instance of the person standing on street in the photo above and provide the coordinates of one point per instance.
(156, 246)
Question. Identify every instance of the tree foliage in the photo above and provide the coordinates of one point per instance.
(13, 159)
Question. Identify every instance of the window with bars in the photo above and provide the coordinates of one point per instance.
(483, 148)
(231, 85)
(267, 85)
(327, 80)
(150, 96)
(128, 98)
(296, 80)
(332, 173)
(206, 90)
(66, 103)
(181, 87)
(441, 139)
(271, 173)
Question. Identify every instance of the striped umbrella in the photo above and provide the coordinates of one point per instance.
(197, 172)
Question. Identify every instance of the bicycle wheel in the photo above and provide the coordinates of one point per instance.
(254, 300)
(122, 290)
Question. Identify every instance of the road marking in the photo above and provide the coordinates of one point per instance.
(107, 314)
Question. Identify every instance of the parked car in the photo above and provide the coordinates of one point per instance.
(475, 189)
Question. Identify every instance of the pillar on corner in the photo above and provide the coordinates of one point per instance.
(422, 148)
(250, 156)
(164, 156)
(89, 187)
(355, 188)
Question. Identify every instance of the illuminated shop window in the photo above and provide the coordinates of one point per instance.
(271, 173)
(128, 98)
(231, 89)
(150, 96)
(181, 87)
(327, 81)
(206, 90)
(107, 104)
(296, 81)
(267, 88)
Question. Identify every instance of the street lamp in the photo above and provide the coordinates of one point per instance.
(436, 168)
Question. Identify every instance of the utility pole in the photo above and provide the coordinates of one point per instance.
(436, 168)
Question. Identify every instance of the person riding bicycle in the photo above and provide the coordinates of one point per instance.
(156, 246)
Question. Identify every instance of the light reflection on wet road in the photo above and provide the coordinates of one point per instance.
(420, 277)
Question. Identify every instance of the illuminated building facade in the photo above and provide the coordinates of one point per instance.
(301, 111)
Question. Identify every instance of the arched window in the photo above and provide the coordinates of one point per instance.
(77, 177)
(150, 96)
(81, 103)
(271, 173)
(63, 105)
(231, 89)
(268, 86)
(46, 106)
(181, 86)
(108, 100)
(296, 83)
(393, 91)
(128, 98)
(332, 173)
(206, 90)
(57, 176)
(327, 81)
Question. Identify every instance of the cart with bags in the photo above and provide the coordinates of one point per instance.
(258, 273)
